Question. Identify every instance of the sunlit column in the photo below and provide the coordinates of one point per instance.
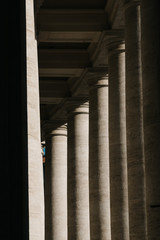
(35, 165)
(56, 181)
(78, 184)
(99, 184)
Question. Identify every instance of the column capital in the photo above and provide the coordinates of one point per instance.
(113, 41)
(77, 105)
(97, 77)
(54, 127)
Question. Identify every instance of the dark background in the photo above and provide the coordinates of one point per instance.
(14, 166)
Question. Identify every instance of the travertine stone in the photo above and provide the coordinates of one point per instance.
(78, 187)
(35, 167)
(150, 44)
(99, 186)
(56, 182)
(117, 140)
(134, 122)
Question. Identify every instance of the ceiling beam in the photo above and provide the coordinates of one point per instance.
(58, 58)
(71, 20)
(60, 72)
(79, 37)
(52, 92)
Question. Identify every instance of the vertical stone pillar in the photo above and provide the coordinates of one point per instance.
(117, 140)
(150, 44)
(35, 165)
(56, 182)
(134, 122)
(78, 189)
(99, 184)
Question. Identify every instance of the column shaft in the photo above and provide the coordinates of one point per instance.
(134, 121)
(35, 165)
(56, 185)
(117, 141)
(150, 44)
(99, 185)
(78, 189)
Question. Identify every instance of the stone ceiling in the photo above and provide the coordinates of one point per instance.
(69, 35)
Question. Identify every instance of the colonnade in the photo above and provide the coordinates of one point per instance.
(111, 168)
(102, 164)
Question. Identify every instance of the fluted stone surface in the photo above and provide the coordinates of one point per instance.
(35, 168)
(78, 187)
(134, 121)
(117, 140)
(99, 185)
(150, 22)
(56, 183)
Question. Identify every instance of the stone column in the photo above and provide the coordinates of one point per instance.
(78, 189)
(134, 122)
(117, 140)
(56, 182)
(35, 165)
(150, 44)
(99, 186)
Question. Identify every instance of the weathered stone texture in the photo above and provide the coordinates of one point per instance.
(99, 184)
(134, 122)
(150, 22)
(117, 141)
(35, 168)
(56, 183)
(78, 184)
